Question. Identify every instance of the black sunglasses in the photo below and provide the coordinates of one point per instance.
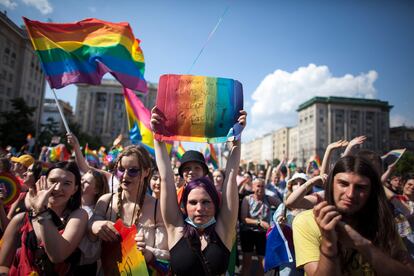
(131, 172)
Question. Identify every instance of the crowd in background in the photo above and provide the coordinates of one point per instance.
(350, 216)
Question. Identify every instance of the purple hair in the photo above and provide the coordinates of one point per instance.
(208, 186)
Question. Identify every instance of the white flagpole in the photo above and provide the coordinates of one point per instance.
(61, 112)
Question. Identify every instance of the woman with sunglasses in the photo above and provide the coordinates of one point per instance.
(132, 205)
(201, 239)
(45, 240)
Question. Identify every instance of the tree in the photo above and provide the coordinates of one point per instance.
(406, 164)
(16, 124)
(50, 129)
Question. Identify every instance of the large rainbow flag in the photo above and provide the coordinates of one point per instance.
(139, 122)
(199, 109)
(83, 51)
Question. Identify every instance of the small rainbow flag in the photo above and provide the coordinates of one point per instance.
(315, 162)
(58, 153)
(211, 156)
(392, 156)
(199, 109)
(112, 155)
(180, 150)
(91, 155)
(139, 122)
(84, 51)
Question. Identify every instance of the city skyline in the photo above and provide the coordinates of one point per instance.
(283, 53)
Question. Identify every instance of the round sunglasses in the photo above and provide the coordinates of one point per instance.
(131, 172)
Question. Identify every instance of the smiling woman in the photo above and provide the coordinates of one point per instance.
(50, 233)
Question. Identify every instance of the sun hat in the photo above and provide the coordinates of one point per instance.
(298, 176)
(192, 156)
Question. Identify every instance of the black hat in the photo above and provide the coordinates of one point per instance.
(192, 156)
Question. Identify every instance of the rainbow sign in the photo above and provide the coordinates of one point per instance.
(198, 109)
(132, 262)
(10, 186)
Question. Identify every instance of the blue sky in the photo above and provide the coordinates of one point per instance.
(283, 52)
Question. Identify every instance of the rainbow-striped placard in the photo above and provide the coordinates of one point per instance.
(197, 108)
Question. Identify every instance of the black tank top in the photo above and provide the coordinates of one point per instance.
(186, 257)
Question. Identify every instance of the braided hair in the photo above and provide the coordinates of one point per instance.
(144, 162)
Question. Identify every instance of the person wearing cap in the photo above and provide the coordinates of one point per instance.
(20, 165)
(193, 166)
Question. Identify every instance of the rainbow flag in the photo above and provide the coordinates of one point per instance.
(10, 188)
(84, 51)
(132, 262)
(112, 155)
(211, 156)
(180, 150)
(139, 122)
(199, 109)
(91, 156)
(315, 162)
(58, 153)
(392, 156)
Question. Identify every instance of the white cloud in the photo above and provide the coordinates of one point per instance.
(400, 120)
(280, 93)
(8, 4)
(42, 5)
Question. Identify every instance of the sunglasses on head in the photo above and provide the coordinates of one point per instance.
(131, 172)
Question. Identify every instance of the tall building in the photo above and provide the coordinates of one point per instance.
(51, 112)
(21, 74)
(281, 143)
(323, 120)
(100, 109)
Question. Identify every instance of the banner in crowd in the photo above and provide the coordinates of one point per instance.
(199, 109)
(139, 122)
(84, 51)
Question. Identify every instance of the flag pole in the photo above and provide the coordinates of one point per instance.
(61, 112)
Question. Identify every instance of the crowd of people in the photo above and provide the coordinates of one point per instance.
(341, 217)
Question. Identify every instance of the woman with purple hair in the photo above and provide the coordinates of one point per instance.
(200, 240)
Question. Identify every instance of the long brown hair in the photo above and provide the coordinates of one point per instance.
(144, 162)
(375, 220)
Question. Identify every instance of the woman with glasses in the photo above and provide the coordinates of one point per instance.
(132, 205)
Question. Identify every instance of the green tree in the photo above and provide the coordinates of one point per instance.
(16, 124)
(49, 130)
(406, 163)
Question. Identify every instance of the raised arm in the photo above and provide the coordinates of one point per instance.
(328, 152)
(170, 210)
(350, 149)
(227, 218)
(80, 159)
(298, 199)
(10, 242)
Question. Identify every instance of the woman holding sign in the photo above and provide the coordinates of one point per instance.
(45, 240)
(131, 205)
(200, 240)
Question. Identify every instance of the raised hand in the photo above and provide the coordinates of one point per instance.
(327, 218)
(242, 118)
(44, 190)
(157, 120)
(337, 144)
(72, 140)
